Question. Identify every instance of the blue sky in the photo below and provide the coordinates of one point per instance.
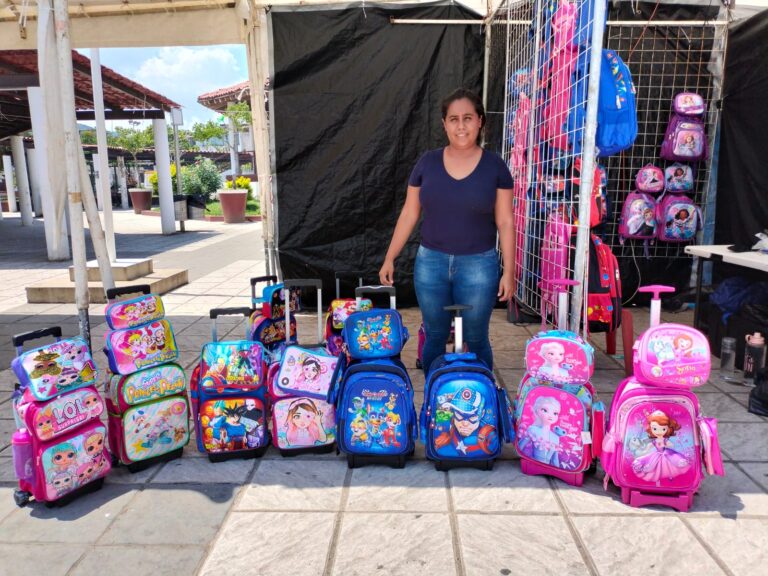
(180, 73)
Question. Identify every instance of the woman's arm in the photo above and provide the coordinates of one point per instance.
(505, 222)
(407, 221)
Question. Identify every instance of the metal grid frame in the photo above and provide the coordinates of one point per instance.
(665, 58)
(546, 126)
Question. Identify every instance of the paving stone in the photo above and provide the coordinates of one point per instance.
(7, 426)
(271, 544)
(591, 498)
(508, 359)
(518, 545)
(51, 559)
(418, 487)
(741, 544)
(81, 521)
(394, 544)
(7, 505)
(726, 408)
(732, 495)
(179, 515)
(758, 471)
(121, 475)
(744, 441)
(200, 470)
(504, 489)
(295, 485)
(132, 560)
(632, 545)
(7, 473)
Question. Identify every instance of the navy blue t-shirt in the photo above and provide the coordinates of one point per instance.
(459, 215)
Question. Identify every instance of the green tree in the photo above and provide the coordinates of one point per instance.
(88, 136)
(132, 140)
(204, 132)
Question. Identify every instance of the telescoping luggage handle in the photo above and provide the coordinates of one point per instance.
(347, 274)
(115, 293)
(561, 288)
(315, 283)
(236, 311)
(656, 290)
(268, 280)
(19, 339)
(458, 325)
(361, 291)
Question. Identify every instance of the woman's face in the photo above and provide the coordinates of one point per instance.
(310, 371)
(548, 413)
(658, 430)
(462, 124)
(554, 356)
(302, 418)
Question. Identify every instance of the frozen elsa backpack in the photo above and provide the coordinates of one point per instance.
(658, 444)
(558, 421)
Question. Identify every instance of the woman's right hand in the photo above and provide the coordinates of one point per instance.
(387, 273)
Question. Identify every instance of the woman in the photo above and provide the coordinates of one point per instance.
(465, 193)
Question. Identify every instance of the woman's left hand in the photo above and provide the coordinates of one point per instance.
(505, 286)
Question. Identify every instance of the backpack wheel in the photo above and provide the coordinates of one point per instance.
(400, 463)
(351, 461)
(489, 464)
(21, 498)
(439, 466)
(114, 460)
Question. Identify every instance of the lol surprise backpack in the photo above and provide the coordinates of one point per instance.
(678, 178)
(59, 446)
(658, 444)
(558, 421)
(685, 139)
(373, 395)
(229, 396)
(302, 419)
(146, 392)
(466, 416)
(678, 219)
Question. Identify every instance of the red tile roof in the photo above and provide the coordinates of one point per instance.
(228, 94)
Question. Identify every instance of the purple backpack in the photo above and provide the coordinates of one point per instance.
(650, 178)
(678, 178)
(678, 219)
(638, 217)
(685, 139)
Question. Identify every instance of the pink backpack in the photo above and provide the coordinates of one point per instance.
(555, 253)
(560, 75)
(678, 219)
(638, 217)
(559, 356)
(685, 138)
(650, 178)
(658, 443)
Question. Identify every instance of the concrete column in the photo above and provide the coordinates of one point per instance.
(9, 183)
(163, 162)
(49, 149)
(234, 156)
(22, 180)
(122, 182)
(34, 181)
(95, 168)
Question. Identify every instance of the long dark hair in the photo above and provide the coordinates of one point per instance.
(477, 104)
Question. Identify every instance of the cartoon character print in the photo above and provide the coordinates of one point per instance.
(680, 223)
(468, 431)
(304, 372)
(76, 355)
(542, 438)
(94, 446)
(553, 369)
(374, 334)
(677, 179)
(390, 433)
(228, 430)
(156, 428)
(233, 424)
(45, 363)
(74, 463)
(304, 424)
(64, 458)
(655, 459)
(662, 349)
(44, 424)
(642, 219)
(359, 431)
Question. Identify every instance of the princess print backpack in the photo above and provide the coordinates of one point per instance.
(678, 178)
(658, 444)
(650, 179)
(638, 217)
(678, 219)
(685, 139)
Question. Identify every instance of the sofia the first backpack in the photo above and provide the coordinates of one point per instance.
(658, 444)
(685, 139)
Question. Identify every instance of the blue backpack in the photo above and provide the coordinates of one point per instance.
(616, 111)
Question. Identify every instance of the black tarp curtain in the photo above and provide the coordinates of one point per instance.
(742, 184)
(356, 102)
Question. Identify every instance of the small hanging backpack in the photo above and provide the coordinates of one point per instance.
(678, 178)
(678, 218)
(685, 139)
(650, 178)
(603, 288)
(616, 111)
(638, 217)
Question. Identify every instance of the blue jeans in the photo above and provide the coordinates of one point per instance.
(444, 279)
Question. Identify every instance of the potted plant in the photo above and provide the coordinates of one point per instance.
(199, 182)
(141, 199)
(233, 199)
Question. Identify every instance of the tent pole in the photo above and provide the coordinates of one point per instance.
(67, 99)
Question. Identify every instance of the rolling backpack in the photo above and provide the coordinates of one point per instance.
(229, 399)
(466, 416)
(266, 324)
(146, 391)
(555, 252)
(616, 110)
(603, 288)
(302, 419)
(339, 311)
(658, 444)
(685, 139)
(678, 218)
(559, 423)
(59, 445)
(376, 419)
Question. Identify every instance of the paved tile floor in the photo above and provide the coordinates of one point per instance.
(311, 515)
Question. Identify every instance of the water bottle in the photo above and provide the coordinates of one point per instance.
(23, 458)
(754, 357)
(728, 359)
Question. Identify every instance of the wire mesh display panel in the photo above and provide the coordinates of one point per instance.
(546, 49)
(665, 58)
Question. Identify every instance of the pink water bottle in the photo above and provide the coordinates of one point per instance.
(23, 458)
